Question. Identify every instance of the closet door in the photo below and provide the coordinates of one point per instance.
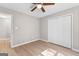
(59, 31)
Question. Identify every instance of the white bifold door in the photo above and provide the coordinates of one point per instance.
(59, 31)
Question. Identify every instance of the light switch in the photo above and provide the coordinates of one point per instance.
(16, 28)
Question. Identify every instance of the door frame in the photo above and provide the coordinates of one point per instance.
(10, 17)
(12, 30)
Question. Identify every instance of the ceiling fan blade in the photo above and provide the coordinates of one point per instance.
(33, 9)
(36, 3)
(48, 3)
(42, 9)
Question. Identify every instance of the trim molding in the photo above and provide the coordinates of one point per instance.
(13, 46)
(44, 40)
(75, 50)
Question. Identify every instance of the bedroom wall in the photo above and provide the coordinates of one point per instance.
(25, 27)
(44, 29)
(75, 12)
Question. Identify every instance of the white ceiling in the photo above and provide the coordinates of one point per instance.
(26, 7)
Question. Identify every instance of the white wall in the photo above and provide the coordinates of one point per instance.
(75, 12)
(28, 27)
(4, 28)
(44, 29)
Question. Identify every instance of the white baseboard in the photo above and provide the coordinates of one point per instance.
(13, 46)
(75, 50)
(44, 40)
(4, 39)
(24, 43)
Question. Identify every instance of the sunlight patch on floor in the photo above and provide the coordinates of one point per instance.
(51, 52)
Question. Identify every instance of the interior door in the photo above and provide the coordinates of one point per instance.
(59, 31)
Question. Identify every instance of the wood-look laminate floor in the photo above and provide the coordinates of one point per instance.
(35, 49)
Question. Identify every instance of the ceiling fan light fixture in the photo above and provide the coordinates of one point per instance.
(39, 6)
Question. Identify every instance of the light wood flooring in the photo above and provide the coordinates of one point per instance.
(35, 49)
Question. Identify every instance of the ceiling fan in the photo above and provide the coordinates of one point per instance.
(41, 6)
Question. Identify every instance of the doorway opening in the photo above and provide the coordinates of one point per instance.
(5, 31)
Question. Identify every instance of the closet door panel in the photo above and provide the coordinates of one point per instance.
(59, 31)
